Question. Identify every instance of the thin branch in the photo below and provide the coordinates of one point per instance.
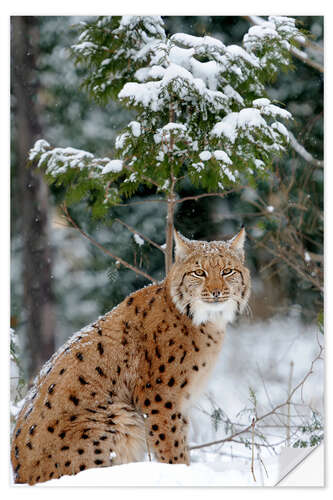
(271, 412)
(252, 449)
(105, 250)
(221, 195)
(134, 231)
(303, 152)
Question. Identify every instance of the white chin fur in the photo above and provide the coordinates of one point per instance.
(220, 313)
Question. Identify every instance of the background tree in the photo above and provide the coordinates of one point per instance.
(201, 114)
(32, 192)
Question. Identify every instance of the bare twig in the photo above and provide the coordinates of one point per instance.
(288, 407)
(204, 195)
(134, 231)
(252, 449)
(101, 247)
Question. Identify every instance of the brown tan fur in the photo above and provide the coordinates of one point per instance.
(126, 382)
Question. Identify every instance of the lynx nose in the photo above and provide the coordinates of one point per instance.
(216, 293)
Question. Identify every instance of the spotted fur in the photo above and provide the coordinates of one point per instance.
(129, 379)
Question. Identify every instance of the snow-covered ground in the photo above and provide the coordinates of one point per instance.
(269, 357)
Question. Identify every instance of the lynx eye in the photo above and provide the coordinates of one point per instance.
(199, 272)
(227, 271)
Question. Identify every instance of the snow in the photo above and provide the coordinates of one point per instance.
(196, 41)
(136, 128)
(156, 474)
(222, 156)
(205, 155)
(307, 257)
(114, 166)
(138, 240)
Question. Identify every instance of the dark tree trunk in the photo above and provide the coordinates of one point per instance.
(31, 197)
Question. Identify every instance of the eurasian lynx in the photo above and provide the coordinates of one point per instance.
(127, 381)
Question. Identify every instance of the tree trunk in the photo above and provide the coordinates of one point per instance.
(169, 232)
(32, 198)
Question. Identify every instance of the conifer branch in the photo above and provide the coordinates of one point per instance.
(302, 56)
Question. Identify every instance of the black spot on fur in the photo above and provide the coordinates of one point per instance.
(98, 462)
(195, 368)
(171, 382)
(183, 384)
(173, 429)
(158, 398)
(72, 418)
(80, 451)
(29, 445)
(118, 370)
(84, 436)
(171, 359)
(64, 448)
(50, 429)
(82, 467)
(83, 381)
(62, 371)
(196, 348)
(32, 430)
(168, 405)
(48, 404)
(162, 437)
(100, 348)
(51, 388)
(67, 464)
(171, 342)
(130, 300)
(98, 451)
(157, 351)
(18, 432)
(79, 356)
(154, 427)
(162, 368)
(183, 357)
(158, 381)
(147, 402)
(62, 434)
(100, 371)
(74, 399)
(154, 412)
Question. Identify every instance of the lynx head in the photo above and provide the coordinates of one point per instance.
(209, 281)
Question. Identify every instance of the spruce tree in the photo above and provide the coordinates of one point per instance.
(201, 108)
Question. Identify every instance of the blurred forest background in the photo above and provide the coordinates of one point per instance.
(60, 282)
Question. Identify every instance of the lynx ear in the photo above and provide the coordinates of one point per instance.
(237, 243)
(182, 247)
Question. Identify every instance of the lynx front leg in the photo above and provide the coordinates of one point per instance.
(167, 436)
